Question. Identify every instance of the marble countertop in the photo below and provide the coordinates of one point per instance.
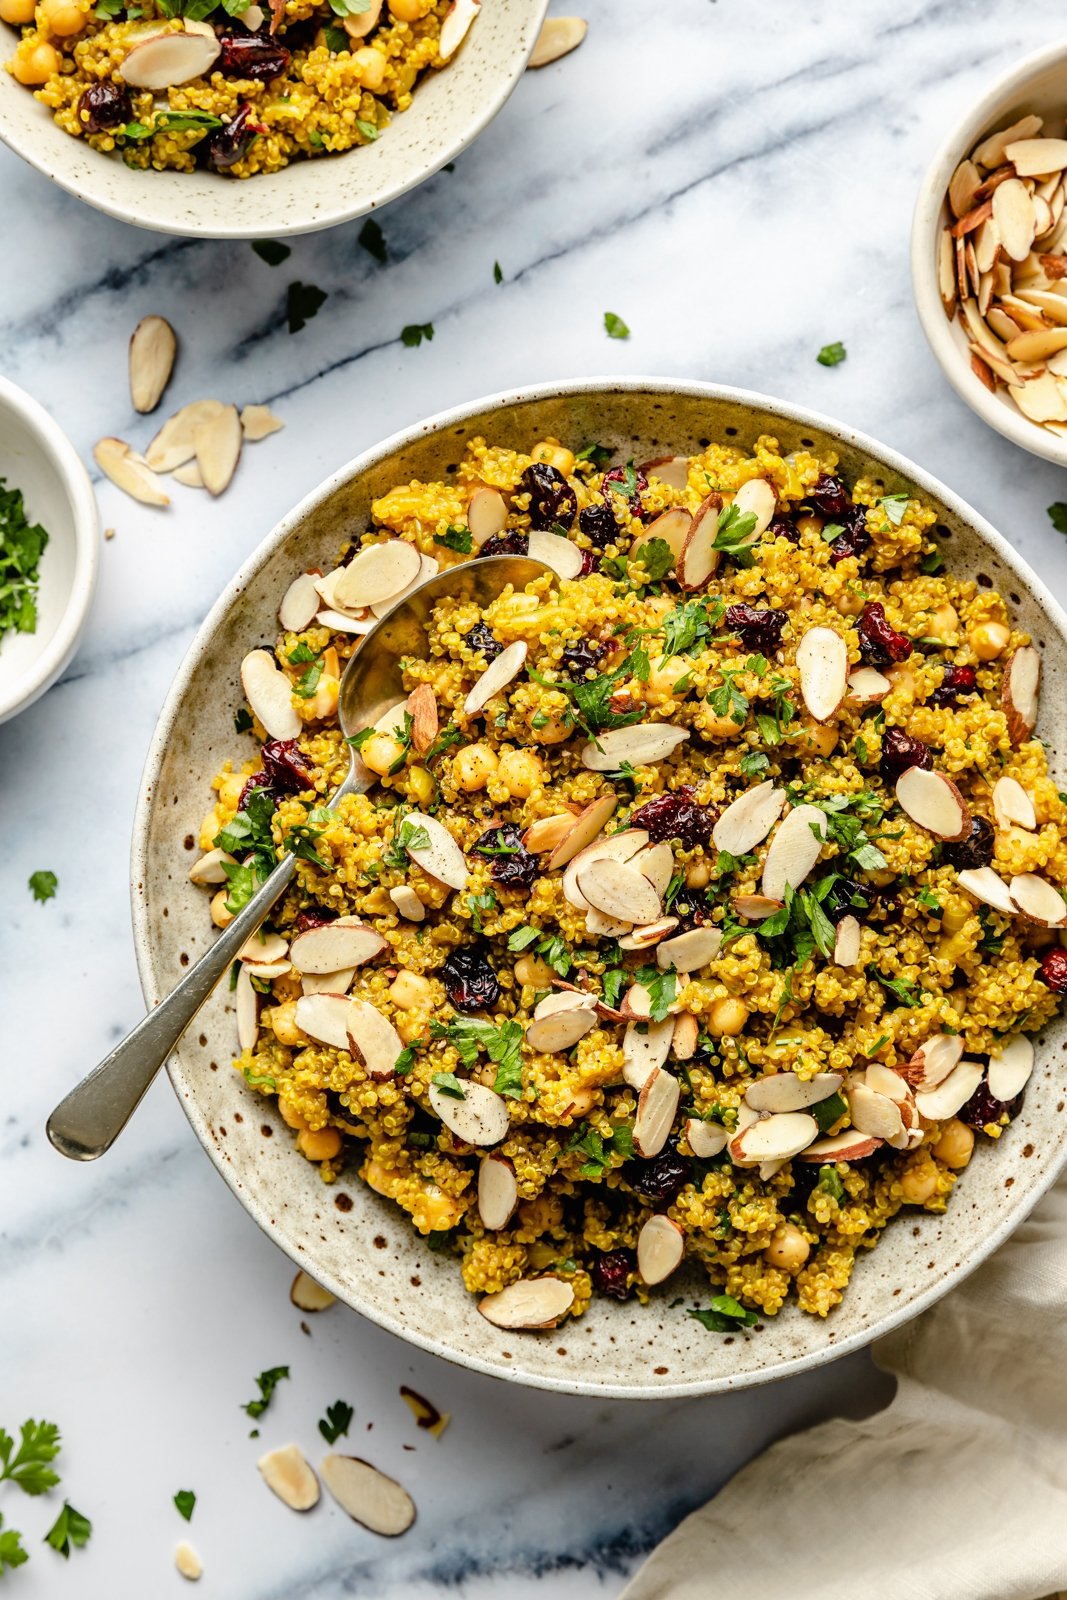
(736, 182)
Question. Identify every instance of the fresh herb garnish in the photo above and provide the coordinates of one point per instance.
(662, 988)
(414, 333)
(458, 539)
(1058, 516)
(498, 276)
(43, 885)
(734, 533)
(407, 836)
(932, 562)
(12, 1553)
(894, 506)
(903, 990)
(753, 762)
(503, 1045)
(831, 355)
(615, 327)
(21, 545)
(28, 1465)
(479, 903)
(302, 302)
(725, 1315)
(69, 1528)
(242, 720)
(185, 1500)
(657, 558)
(273, 251)
(597, 454)
(826, 1112)
(266, 1383)
(335, 1424)
(829, 1182)
(449, 1084)
(598, 1149)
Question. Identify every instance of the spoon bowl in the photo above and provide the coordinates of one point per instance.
(90, 1118)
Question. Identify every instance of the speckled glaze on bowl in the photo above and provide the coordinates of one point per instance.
(359, 1245)
(449, 110)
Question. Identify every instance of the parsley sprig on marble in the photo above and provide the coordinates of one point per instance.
(29, 1465)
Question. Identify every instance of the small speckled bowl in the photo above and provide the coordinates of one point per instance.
(449, 110)
(359, 1245)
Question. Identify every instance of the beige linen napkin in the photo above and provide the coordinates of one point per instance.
(956, 1491)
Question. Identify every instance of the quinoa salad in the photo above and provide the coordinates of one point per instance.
(708, 895)
(237, 87)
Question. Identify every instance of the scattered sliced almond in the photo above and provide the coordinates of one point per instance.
(699, 558)
(1032, 158)
(580, 831)
(428, 568)
(755, 907)
(442, 857)
(757, 496)
(933, 801)
(327, 982)
(460, 15)
(547, 833)
(991, 152)
(1010, 1066)
(867, 686)
(706, 1139)
(686, 1034)
(209, 869)
(497, 675)
(487, 515)
(558, 37)
(357, 24)
(598, 926)
(562, 555)
(933, 1061)
(1013, 212)
(987, 887)
(619, 890)
(352, 1025)
(480, 1118)
(153, 348)
(189, 475)
(656, 1107)
(378, 573)
(498, 1193)
(671, 470)
(246, 1003)
(641, 745)
(649, 934)
(793, 851)
(1020, 691)
(299, 604)
(1036, 900)
(951, 1094)
(748, 820)
(1012, 806)
(636, 1004)
(672, 527)
(408, 903)
(166, 60)
(690, 951)
(259, 422)
(962, 188)
(307, 1295)
(530, 1303)
(370, 1498)
(656, 863)
(645, 1046)
(129, 472)
(660, 1248)
(188, 1562)
(175, 443)
(874, 1114)
(425, 722)
(560, 1021)
(270, 694)
(847, 936)
(616, 846)
(946, 271)
(822, 661)
(785, 1091)
(286, 1472)
(778, 1137)
(848, 1146)
(346, 942)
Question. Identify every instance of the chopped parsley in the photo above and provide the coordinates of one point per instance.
(43, 885)
(686, 626)
(753, 762)
(903, 990)
(272, 251)
(662, 988)
(503, 1046)
(826, 1112)
(727, 700)
(932, 562)
(407, 835)
(591, 698)
(449, 1084)
(266, 1383)
(991, 943)
(523, 938)
(242, 721)
(69, 1528)
(372, 239)
(458, 539)
(894, 506)
(21, 545)
(599, 1149)
(929, 900)
(28, 1465)
(478, 903)
(302, 302)
(657, 558)
(832, 355)
(185, 1500)
(615, 327)
(733, 533)
(598, 455)
(12, 1553)
(830, 1183)
(414, 333)
(725, 1315)
(335, 1424)
(612, 985)
(498, 276)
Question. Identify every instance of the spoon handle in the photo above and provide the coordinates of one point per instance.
(91, 1117)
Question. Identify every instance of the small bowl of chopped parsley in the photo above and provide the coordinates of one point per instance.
(49, 550)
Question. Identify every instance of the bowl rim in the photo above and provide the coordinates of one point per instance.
(70, 469)
(352, 470)
(155, 220)
(1006, 419)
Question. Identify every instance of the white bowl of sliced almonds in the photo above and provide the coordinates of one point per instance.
(989, 256)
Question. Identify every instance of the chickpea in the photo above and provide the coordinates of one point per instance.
(324, 700)
(697, 875)
(411, 1026)
(788, 1248)
(942, 621)
(283, 1022)
(727, 1017)
(808, 524)
(379, 1177)
(63, 18)
(817, 739)
(369, 67)
(521, 772)
(231, 787)
(292, 1116)
(850, 602)
(662, 679)
(552, 730)
(410, 991)
(35, 65)
(903, 680)
(581, 1103)
(919, 1182)
(407, 10)
(380, 752)
(553, 454)
(437, 1210)
(220, 916)
(713, 727)
(473, 767)
(421, 784)
(989, 640)
(321, 1145)
(955, 1144)
(16, 12)
(956, 914)
(532, 970)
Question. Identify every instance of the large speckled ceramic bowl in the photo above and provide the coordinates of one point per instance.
(449, 110)
(359, 1245)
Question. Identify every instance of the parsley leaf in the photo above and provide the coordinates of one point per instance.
(894, 506)
(242, 720)
(28, 1466)
(522, 938)
(826, 1112)
(449, 1084)
(657, 558)
(479, 903)
(503, 1045)
(272, 251)
(598, 1150)
(458, 539)
(414, 333)
(266, 1383)
(830, 1182)
(407, 835)
(724, 1315)
(21, 545)
(336, 1421)
(43, 885)
(615, 326)
(302, 302)
(661, 986)
(597, 454)
(372, 239)
(831, 355)
(69, 1528)
(734, 532)
(753, 763)
(904, 992)
(498, 276)
(185, 1500)
(11, 1552)
(612, 985)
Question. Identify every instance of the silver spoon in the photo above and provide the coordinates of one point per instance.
(90, 1118)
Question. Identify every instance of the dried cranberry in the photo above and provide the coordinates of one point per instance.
(599, 526)
(975, 851)
(589, 563)
(660, 1180)
(312, 919)
(846, 898)
(983, 1107)
(469, 980)
(233, 141)
(104, 105)
(483, 640)
(582, 657)
(286, 766)
(880, 645)
(899, 752)
(783, 528)
(512, 543)
(552, 500)
(611, 1273)
(759, 630)
(626, 476)
(676, 815)
(1054, 969)
(855, 539)
(511, 865)
(254, 56)
(955, 681)
(829, 496)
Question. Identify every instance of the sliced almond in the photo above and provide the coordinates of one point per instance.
(498, 1193)
(560, 1021)
(951, 1094)
(656, 863)
(487, 515)
(645, 1046)
(129, 473)
(822, 661)
(153, 348)
(848, 1146)
(259, 422)
(267, 970)
(408, 903)
(636, 1004)
(1041, 399)
(1028, 347)
(660, 1248)
(794, 850)
(1036, 899)
(581, 831)
(1013, 211)
(699, 559)
(778, 1137)
(883, 1080)
(1053, 306)
(1019, 693)
(480, 1118)
(933, 801)
(210, 867)
(617, 846)
(598, 926)
(656, 1107)
(547, 833)
(748, 820)
(270, 695)
(706, 1139)
(428, 568)
(352, 1025)
(690, 951)
(425, 722)
(1010, 1064)
(755, 907)
(264, 947)
(189, 475)
(991, 152)
(497, 675)
(874, 1114)
(946, 271)
(370, 1498)
(968, 224)
(307, 1295)
(641, 745)
(649, 934)
(357, 24)
(757, 496)
(460, 15)
(530, 1303)
(299, 604)
(246, 1002)
(558, 37)
(867, 686)
(962, 187)
(686, 1035)
(987, 887)
(562, 555)
(847, 937)
(785, 1091)
(672, 527)
(286, 1472)
(341, 622)
(168, 59)
(1012, 806)
(619, 890)
(187, 1561)
(175, 443)
(671, 470)
(347, 942)
(1034, 157)
(327, 982)
(378, 573)
(442, 857)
